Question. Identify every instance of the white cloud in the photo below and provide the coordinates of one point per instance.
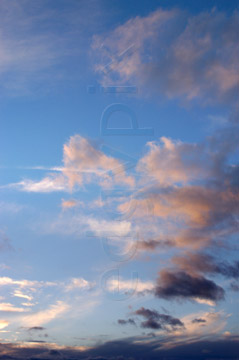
(7, 307)
(109, 228)
(3, 324)
(78, 283)
(46, 185)
(45, 316)
(128, 285)
(83, 163)
(18, 293)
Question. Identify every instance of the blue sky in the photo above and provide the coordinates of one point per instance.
(119, 241)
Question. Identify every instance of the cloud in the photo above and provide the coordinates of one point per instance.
(198, 206)
(25, 55)
(138, 287)
(174, 54)
(155, 320)
(23, 283)
(118, 234)
(7, 307)
(68, 204)
(34, 285)
(109, 228)
(153, 244)
(35, 51)
(125, 322)
(36, 328)
(199, 321)
(3, 324)
(18, 293)
(181, 285)
(194, 190)
(39, 294)
(46, 185)
(128, 349)
(84, 163)
(78, 283)
(47, 315)
(200, 324)
(205, 263)
(172, 162)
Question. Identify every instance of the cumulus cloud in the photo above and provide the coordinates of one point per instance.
(172, 162)
(195, 193)
(83, 162)
(174, 54)
(195, 190)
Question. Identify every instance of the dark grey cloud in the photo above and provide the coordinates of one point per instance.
(125, 322)
(129, 349)
(36, 328)
(181, 285)
(153, 244)
(195, 321)
(155, 320)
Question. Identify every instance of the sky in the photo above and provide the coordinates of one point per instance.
(119, 191)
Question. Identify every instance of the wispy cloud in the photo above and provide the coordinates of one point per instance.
(84, 163)
(33, 49)
(7, 307)
(138, 287)
(3, 324)
(46, 315)
(174, 54)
